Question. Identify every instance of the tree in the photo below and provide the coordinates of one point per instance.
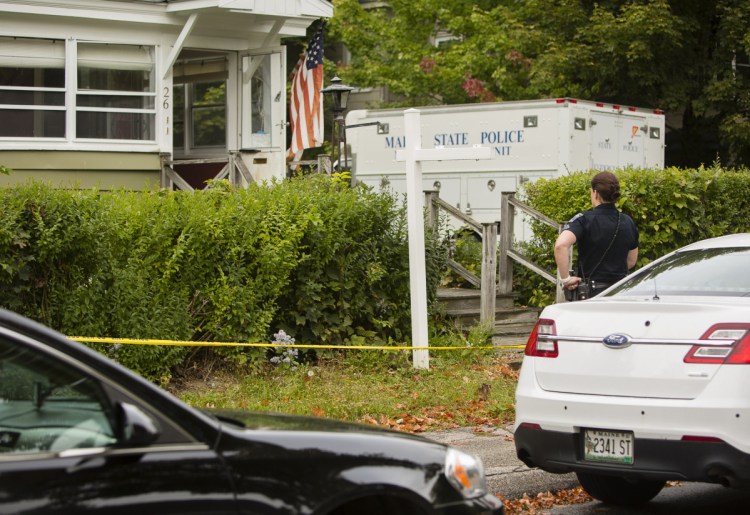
(688, 57)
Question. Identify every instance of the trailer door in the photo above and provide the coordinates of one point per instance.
(617, 140)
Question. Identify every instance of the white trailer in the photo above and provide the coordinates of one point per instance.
(529, 140)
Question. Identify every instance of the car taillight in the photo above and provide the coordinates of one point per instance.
(735, 351)
(542, 348)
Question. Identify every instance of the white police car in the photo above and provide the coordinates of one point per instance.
(647, 382)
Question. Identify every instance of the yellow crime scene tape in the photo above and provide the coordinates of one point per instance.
(135, 341)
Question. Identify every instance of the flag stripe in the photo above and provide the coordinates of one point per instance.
(306, 102)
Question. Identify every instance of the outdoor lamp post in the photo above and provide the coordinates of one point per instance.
(340, 96)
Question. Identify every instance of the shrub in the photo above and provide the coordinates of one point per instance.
(671, 207)
(316, 258)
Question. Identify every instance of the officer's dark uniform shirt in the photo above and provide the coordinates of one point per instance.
(594, 230)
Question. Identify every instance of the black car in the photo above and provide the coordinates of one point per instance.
(80, 433)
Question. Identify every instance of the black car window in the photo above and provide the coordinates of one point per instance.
(702, 272)
(46, 406)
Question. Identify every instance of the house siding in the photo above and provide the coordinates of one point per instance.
(102, 170)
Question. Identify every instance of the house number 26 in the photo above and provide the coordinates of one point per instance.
(165, 105)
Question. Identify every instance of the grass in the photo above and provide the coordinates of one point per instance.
(461, 388)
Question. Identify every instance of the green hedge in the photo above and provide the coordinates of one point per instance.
(325, 263)
(671, 207)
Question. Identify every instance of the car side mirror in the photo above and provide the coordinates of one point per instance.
(137, 428)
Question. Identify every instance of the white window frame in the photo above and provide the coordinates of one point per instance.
(214, 73)
(39, 89)
(71, 141)
(276, 131)
(113, 93)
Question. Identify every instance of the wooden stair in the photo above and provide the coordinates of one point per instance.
(512, 324)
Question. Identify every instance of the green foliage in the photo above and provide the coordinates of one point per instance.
(671, 207)
(689, 58)
(5, 170)
(344, 177)
(466, 250)
(323, 261)
(353, 281)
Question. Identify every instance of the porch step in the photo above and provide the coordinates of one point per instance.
(512, 324)
(501, 314)
(465, 298)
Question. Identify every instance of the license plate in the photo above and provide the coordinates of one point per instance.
(609, 446)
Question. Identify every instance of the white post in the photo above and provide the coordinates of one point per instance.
(415, 219)
(414, 154)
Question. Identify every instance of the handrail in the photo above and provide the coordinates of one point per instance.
(445, 206)
(508, 203)
(496, 277)
(487, 283)
(533, 212)
(195, 161)
(464, 272)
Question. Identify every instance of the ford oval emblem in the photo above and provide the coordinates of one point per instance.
(617, 341)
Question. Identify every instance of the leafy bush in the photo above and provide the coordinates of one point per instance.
(671, 207)
(466, 250)
(324, 262)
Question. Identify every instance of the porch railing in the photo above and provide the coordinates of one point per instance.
(234, 170)
(494, 257)
(507, 254)
(322, 164)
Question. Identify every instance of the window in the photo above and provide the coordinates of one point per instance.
(208, 113)
(444, 39)
(116, 93)
(32, 88)
(200, 101)
(201, 108)
(114, 98)
(704, 272)
(260, 93)
(262, 100)
(46, 406)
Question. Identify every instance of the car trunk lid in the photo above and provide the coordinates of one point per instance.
(648, 343)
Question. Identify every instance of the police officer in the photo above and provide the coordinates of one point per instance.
(607, 239)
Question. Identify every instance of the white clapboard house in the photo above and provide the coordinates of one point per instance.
(146, 94)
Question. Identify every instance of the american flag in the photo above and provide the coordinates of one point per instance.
(306, 103)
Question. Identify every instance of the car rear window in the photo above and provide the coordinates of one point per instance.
(702, 272)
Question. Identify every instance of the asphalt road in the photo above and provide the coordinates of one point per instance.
(684, 498)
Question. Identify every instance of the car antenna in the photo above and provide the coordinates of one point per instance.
(656, 294)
